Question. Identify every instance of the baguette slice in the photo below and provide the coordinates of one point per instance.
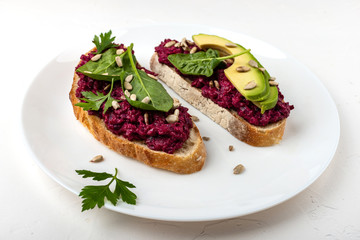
(189, 159)
(228, 119)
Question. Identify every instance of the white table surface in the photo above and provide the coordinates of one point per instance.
(324, 35)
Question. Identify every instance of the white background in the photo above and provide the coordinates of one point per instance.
(324, 35)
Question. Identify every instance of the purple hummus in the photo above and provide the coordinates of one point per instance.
(226, 95)
(129, 122)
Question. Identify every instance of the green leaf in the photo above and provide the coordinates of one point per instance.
(106, 64)
(144, 86)
(95, 195)
(104, 42)
(199, 63)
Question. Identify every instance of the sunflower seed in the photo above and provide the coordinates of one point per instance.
(87, 72)
(152, 76)
(273, 83)
(230, 45)
(146, 118)
(129, 78)
(146, 100)
(238, 169)
(193, 50)
(206, 138)
(169, 44)
(231, 148)
(262, 69)
(229, 61)
(217, 85)
(189, 42)
(176, 103)
(127, 93)
(250, 85)
(133, 97)
(172, 118)
(199, 158)
(96, 57)
(107, 87)
(123, 97)
(272, 78)
(120, 51)
(253, 63)
(176, 112)
(195, 118)
(115, 104)
(211, 84)
(186, 48)
(143, 70)
(105, 74)
(97, 158)
(243, 69)
(177, 44)
(128, 86)
(183, 42)
(118, 61)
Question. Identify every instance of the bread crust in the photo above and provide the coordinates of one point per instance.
(188, 159)
(253, 135)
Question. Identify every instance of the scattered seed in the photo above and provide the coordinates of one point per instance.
(211, 84)
(176, 103)
(183, 42)
(152, 76)
(118, 61)
(272, 78)
(250, 85)
(87, 72)
(105, 74)
(230, 45)
(229, 61)
(195, 118)
(133, 97)
(262, 69)
(231, 148)
(273, 83)
(217, 85)
(169, 44)
(193, 50)
(120, 51)
(123, 96)
(96, 57)
(238, 169)
(243, 69)
(146, 118)
(177, 44)
(176, 112)
(127, 93)
(206, 138)
(115, 104)
(146, 100)
(253, 63)
(97, 158)
(129, 78)
(107, 87)
(128, 86)
(172, 118)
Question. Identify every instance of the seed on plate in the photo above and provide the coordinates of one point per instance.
(118, 61)
(239, 169)
(146, 100)
(146, 118)
(253, 64)
(217, 85)
(128, 86)
(176, 112)
(115, 104)
(172, 118)
(250, 85)
(129, 78)
(231, 148)
(193, 50)
(127, 93)
(262, 69)
(97, 158)
(105, 74)
(152, 76)
(195, 118)
(206, 138)
(169, 44)
(96, 57)
(120, 51)
(243, 69)
(230, 45)
(273, 83)
(133, 97)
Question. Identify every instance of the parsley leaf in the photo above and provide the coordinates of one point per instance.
(105, 42)
(94, 101)
(95, 195)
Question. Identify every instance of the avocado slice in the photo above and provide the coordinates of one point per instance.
(263, 96)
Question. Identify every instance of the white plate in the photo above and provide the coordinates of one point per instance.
(273, 174)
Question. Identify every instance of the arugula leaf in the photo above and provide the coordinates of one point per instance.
(94, 101)
(105, 42)
(144, 86)
(199, 63)
(95, 195)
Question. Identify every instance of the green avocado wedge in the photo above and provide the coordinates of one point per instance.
(262, 95)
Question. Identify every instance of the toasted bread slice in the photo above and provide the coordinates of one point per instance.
(228, 119)
(189, 159)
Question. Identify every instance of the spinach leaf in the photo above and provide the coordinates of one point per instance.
(144, 86)
(199, 63)
(106, 64)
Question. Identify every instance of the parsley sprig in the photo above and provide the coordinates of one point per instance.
(105, 42)
(95, 195)
(94, 101)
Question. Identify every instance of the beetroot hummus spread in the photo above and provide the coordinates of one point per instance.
(129, 121)
(227, 95)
